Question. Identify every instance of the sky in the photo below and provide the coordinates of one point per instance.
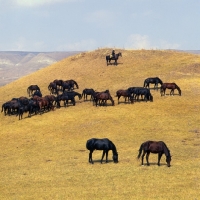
(86, 25)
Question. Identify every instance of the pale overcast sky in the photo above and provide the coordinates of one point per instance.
(85, 25)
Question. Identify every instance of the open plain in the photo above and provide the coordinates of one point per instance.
(45, 157)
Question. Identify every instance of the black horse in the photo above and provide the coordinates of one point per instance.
(101, 144)
(115, 58)
(87, 92)
(154, 147)
(154, 81)
(32, 88)
(72, 83)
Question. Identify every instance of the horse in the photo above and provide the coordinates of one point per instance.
(53, 88)
(73, 93)
(115, 58)
(143, 92)
(101, 144)
(171, 86)
(124, 93)
(72, 83)
(58, 83)
(65, 98)
(159, 148)
(66, 85)
(104, 96)
(154, 81)
(37, 93)
(86, 92)
(32, 88)
(44, 104)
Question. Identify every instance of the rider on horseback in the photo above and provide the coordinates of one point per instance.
(113, 53)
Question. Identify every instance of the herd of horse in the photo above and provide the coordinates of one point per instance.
(40, 104)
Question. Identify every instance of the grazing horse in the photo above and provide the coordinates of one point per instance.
(44, 104)
(159, 148)
(53, 88)
(32, 88)
(101, 144)
(154, 81)
(124, 93)
(87, 92)
(72, 83)
(115, 58)
(58, 83)
(171, 86)
(37, 93)
(104, 96)
(143, 92)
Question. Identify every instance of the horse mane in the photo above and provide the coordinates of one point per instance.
(166, 150)
(114, 149)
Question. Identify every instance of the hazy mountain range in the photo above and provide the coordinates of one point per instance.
(15, 64)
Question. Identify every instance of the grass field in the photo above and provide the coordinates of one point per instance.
(44, 157)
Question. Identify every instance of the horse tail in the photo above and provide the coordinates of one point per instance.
(140, 150)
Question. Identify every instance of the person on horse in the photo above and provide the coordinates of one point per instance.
(113, 53)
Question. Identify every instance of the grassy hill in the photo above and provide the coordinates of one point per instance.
(44, 157)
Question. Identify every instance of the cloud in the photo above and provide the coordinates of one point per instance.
(83, 45)
(137, 41)
(22, 44)
(34, 3)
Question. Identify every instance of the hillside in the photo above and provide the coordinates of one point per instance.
(14, 65)
(45, 157)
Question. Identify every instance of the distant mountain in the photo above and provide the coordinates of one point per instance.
(15, 64)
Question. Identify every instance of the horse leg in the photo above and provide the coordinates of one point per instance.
(103, 154)
(90, 157)
(159, 157)
(147, 158)
(118, 98)
(106, 156)
(143, 157)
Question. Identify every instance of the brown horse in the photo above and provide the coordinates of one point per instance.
(171, 86)
(159, 148)
(104, 96)
(44, 104)
(124, 93)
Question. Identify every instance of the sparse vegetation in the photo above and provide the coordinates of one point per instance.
(45, 156)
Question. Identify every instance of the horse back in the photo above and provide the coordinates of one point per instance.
(99, 144)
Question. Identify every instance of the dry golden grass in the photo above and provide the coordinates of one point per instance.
(44, 157)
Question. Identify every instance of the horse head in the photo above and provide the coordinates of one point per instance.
(168, 160)
(115, 157)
